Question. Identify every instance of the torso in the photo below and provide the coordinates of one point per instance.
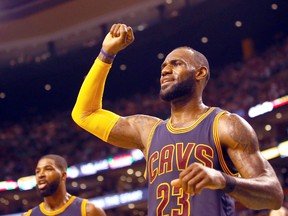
(172, 150)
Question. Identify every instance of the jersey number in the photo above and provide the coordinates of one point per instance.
(183, 204)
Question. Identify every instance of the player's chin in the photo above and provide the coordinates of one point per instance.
(42, 192)
(166, 95)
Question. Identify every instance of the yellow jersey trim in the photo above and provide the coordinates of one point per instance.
(216, 138)
(149, 143)
(186, 129)
(28, 213)
(83, 207)
(58, 211)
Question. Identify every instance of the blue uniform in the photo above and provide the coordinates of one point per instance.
(75, 206)
(170, 151)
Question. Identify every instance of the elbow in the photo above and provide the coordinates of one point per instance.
(278, 199)
(277, 204)
(81, 118)
(76, 116)
(276, 196)
(269, 200)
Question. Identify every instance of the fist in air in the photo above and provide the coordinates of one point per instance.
(118, 38)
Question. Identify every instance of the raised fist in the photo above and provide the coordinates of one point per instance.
(118, 38)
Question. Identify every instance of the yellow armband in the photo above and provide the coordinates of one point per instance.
(87, 111)
(100, 123)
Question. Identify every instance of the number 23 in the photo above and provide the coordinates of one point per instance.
(163, 193)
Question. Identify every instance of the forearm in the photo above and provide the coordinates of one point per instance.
(90, 95)
(258, 193)
(87, 111)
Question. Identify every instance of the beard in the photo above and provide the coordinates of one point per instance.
(177, 91)
(49, 189)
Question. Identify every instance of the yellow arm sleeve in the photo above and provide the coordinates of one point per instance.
(87, 111)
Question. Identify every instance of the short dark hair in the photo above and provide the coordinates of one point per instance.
(60, 161)
(200, 59)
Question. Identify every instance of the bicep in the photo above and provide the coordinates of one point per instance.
(132, 131)
(241, 143)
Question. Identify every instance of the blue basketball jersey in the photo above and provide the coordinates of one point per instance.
(75, 206)
(170, 151)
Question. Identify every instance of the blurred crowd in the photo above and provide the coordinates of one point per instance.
(245, 84)
(237, 87)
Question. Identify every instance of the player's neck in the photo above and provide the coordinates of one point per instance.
(186, 116)
(55, 202)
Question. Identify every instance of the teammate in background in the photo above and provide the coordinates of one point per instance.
(197, 157)
(51, 185)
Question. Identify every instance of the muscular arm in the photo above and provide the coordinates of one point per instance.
(258, 186)
(126, 132)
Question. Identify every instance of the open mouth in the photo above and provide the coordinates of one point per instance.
(41, 185)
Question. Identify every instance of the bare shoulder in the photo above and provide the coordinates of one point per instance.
(236, 132)
(92, 210)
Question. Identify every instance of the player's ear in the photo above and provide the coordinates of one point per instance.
(64, 175)
(201, 73)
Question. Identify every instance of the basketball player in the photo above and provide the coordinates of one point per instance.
(51, 185)
(198, 159)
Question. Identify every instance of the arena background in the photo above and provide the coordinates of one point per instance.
(47, 47)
